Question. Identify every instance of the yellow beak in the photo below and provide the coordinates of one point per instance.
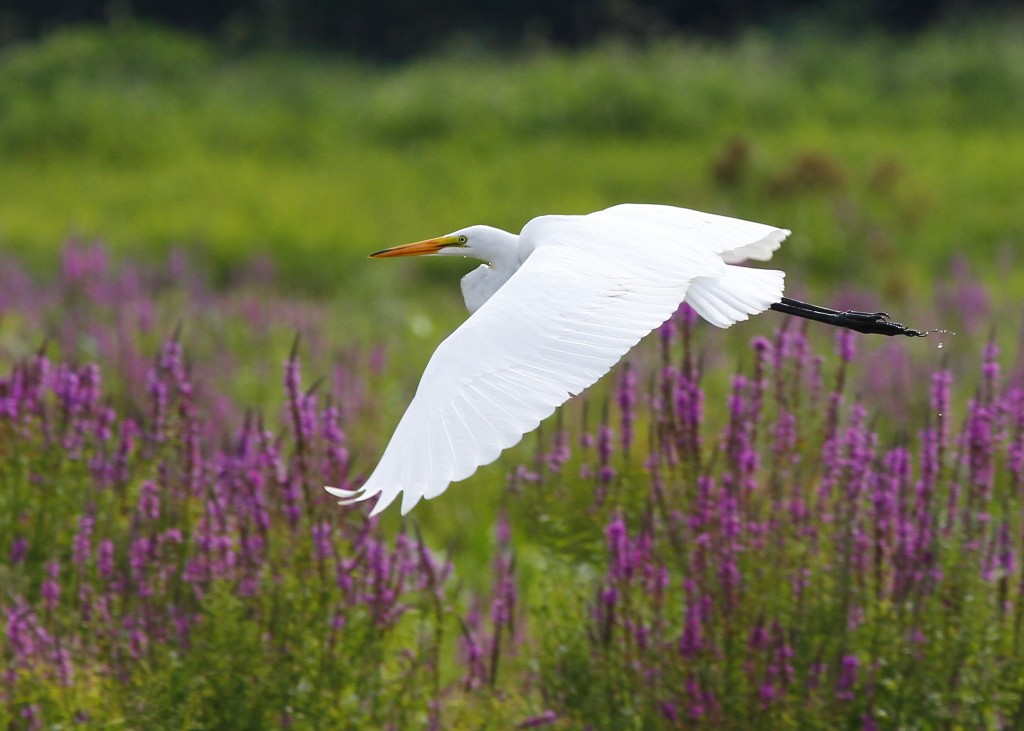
(430, 246)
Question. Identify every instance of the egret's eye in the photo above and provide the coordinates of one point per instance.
(463, 239)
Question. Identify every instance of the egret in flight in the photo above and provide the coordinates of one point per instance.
(552, 310)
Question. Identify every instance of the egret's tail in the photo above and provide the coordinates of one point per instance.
(736, 295)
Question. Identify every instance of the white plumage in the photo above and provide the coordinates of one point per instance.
(553, 309)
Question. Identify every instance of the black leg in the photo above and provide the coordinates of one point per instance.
(872, 323)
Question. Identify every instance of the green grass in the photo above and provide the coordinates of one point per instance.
(153, 140)
(886, 157)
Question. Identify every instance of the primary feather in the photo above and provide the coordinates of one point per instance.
(582, 291)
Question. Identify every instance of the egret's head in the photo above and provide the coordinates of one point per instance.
(453, 244)
(480, 242)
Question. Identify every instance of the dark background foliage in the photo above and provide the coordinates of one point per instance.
(391, 29)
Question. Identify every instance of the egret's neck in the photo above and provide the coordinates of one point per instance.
(500, 253)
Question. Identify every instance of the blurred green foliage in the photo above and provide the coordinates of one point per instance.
(904, 151)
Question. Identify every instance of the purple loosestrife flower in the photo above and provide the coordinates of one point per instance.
(780, 350)
(193, 466)
(667, 335)
(791, 346)
(336, 457)
(1015, 451)
(21, 632)
(758, 637)
(301, 423)
(618, 548)
(159, 398)
(293, 499)
(762, 348)
(19, 549)
(847, 679)
(669, 711)
(50, 589)
(105, 558)
(885, 496)
(627, 403)
(103, 426)
(559, 453)
(743, 458)
(383, 581)
(171, 364)
(81, 262)
(1001, 562)
(702, 699)
(61, 659)
(30, 714)
(89, 387)
(141, 555)
(846, 345)
(1007, 557)
(691, 641)
(980, 463)
(847, 457)
(82, 544)
(930, 467)
(119, 468)
(475, 673)
(308, 415)
(505, 599)
(781, 667)
(784, 435)
(71, 404)
(378, 359)
(688, 399)
(604, 613)
(524, 474)
(149, 501)
(321, 535)
(605, 445)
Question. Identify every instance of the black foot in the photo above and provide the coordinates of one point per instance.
(870, 323)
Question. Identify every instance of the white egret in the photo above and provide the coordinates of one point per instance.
(552, 310)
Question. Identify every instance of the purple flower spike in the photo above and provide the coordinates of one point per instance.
(19, 549)
(847, 677)
(105, 558)
(50, 589)
(82, 546)
(627, 403)
(322, 546)
(149, 501)
(605, 441)
(669, 711)
(846, 345)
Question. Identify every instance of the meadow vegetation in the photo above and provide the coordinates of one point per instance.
(766, 527)
(900, 149)
(777, 533)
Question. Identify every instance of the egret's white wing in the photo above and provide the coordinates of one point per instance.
(591, 289)
(734, 239)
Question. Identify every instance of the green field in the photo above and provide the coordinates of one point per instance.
(870, 149)
(762, 529)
